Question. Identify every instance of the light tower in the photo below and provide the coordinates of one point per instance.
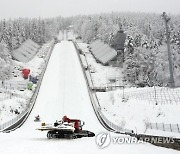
(171, 80)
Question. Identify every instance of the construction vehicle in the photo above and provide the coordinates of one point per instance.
(66, 128)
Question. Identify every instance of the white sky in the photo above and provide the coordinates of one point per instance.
(53, 8)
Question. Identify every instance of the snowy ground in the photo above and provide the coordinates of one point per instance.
(135, 113)
(64, 91)
(12, 99)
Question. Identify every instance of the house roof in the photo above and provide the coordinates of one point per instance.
(26, 51)
(103, 52)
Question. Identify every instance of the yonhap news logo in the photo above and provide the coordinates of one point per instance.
(103, 140)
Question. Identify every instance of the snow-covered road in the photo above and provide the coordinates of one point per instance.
(64, 92)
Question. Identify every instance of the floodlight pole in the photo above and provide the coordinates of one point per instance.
(167, 19)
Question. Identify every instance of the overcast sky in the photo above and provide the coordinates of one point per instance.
(53, 8)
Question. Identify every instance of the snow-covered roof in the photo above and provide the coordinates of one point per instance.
(26, 51)
(103, 52)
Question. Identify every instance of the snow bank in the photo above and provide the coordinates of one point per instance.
(136, 113)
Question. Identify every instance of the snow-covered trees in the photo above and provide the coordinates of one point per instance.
(5, 63)
(14, 32)
(87, 31)
(139, 67)
(146, 61)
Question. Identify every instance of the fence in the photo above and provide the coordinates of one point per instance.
(20, 85)
(13, 123)
(156, 95)
(164, 127)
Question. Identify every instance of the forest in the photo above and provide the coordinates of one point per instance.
(145, 61)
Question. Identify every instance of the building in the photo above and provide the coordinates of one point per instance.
(110, 55)
(119, 40)
(118, 44)
(102, 52)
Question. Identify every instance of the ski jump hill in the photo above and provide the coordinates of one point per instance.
(64, 91)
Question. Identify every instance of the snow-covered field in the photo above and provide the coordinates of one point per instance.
(135, 113)
(12, 100)
(64, 91)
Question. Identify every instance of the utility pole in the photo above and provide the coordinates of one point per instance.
(167, 19)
